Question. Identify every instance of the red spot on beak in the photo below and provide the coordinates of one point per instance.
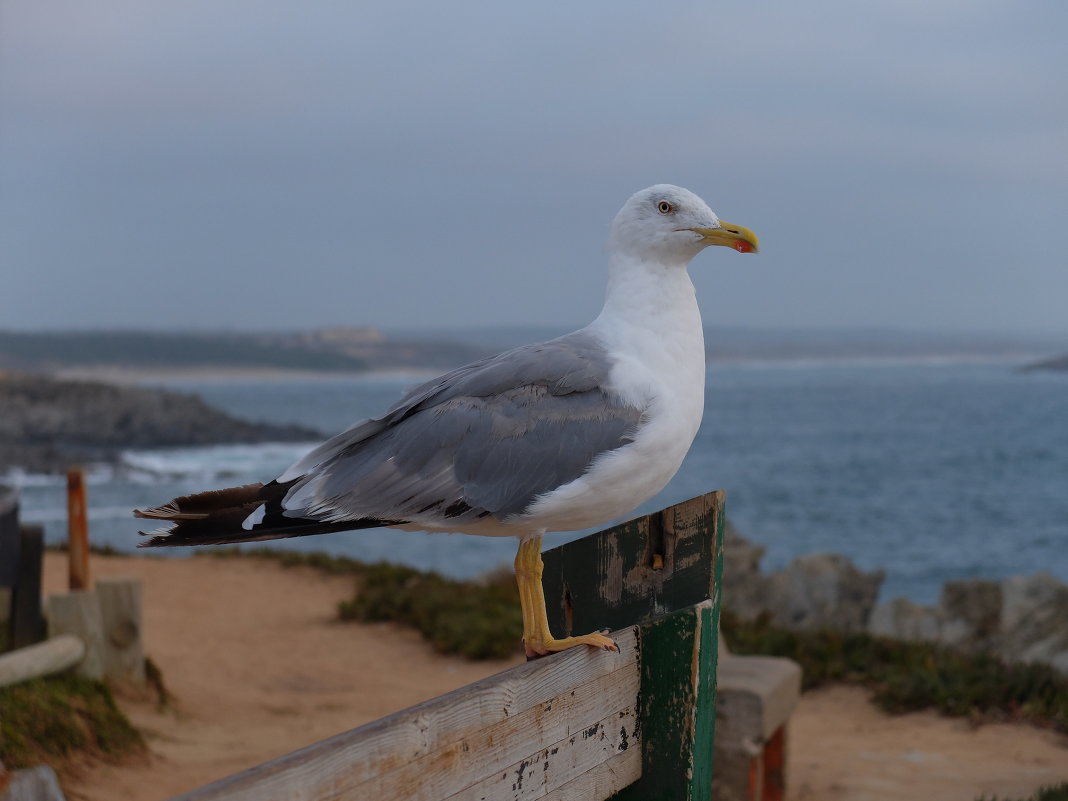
(742, 246)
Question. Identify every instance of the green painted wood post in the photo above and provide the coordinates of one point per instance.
(677, 706)
(662, 572)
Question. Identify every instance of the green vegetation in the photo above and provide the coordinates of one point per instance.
(154, 679)
(332, 565)
(48, 719)
(907, 676)
(477, 619)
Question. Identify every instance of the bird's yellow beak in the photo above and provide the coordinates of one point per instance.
(730, 235)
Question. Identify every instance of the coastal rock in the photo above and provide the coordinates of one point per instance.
(814, 591)
(971, 613)
(1022, 619)
(823, 591)
(1034, 620)
(48, 424)
(744, 587)
(901, 619)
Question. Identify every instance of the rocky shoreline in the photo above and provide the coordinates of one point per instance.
(1019, 619)
(48, 424)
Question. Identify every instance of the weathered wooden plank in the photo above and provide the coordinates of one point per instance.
(600, 782)
(335, 768)
(636, 571)
(476, 754)
(42, 659)
(27, 622)
(558, 763)
(78, 613)
(755, 696)
(120, 614)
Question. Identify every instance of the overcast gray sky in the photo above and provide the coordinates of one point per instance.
(259, 164)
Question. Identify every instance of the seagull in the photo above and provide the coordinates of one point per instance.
(556, 436)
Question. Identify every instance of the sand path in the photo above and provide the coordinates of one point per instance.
(260, 667)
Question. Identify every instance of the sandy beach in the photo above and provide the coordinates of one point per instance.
(259, 666)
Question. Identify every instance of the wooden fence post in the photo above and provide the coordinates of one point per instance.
(78, 613)
(77, 530)
(640, 571)
(120, 614)
(27, 622)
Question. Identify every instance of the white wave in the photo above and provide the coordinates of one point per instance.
(20, 478)
(58, 514)
(211, 462)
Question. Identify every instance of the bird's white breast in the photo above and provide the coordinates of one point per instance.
(655, 336)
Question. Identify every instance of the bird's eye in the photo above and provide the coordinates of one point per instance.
(664, 207)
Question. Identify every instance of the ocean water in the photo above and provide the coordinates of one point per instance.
(929, 471)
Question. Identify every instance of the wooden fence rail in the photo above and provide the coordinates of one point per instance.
(580, 725)
(43, 659)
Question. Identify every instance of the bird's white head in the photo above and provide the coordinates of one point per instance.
(670, 225)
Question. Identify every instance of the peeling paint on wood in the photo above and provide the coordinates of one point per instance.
(677, 704)
(610, 579)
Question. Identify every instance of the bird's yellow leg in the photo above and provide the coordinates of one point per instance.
(522, 580)
(537, 639)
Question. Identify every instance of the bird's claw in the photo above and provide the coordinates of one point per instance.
(535, 648)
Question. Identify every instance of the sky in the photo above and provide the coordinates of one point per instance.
(265, 165)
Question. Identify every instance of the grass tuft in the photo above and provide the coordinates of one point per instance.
(154, 680)
(333, 565)
(476, 619)
(907, 676)
(48, 719)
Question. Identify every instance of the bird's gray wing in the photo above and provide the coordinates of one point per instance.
(486, 439)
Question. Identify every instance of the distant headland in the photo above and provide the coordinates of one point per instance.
(349, 349)
(338, 349)
(1056, 363)
(49, 424)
